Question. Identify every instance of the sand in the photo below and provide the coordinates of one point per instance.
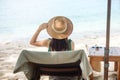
(9, 53)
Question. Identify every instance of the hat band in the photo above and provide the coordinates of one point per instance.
(62, 31)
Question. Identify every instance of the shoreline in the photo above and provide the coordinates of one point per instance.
(6, 38)
(9, 52)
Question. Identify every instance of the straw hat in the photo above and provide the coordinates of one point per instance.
(59, 27)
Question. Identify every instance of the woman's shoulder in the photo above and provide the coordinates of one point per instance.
(46, 42)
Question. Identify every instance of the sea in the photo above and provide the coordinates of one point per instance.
(19, 19)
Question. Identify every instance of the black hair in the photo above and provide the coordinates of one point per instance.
(59, 44)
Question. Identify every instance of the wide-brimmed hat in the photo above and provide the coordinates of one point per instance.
(60, 32)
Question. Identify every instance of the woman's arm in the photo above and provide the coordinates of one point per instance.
(42, 43)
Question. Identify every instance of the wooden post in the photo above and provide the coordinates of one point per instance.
(106, 55)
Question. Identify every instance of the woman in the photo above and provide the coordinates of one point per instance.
(59, 28)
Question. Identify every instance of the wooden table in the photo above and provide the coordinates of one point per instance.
(98, 58)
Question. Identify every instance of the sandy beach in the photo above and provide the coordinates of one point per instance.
(9, 53)
(19, 19)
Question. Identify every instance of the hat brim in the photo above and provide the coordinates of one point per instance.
(55, 35)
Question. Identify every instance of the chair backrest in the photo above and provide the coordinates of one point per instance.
(66, 69)
(60, 63)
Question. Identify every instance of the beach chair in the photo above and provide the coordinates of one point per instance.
(67, 69)
(34, 64)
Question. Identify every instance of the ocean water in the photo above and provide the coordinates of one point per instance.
(19, 19)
